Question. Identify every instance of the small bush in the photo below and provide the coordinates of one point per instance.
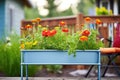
(10, 57)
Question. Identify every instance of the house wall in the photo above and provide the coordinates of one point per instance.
(2, 18)
(14, 15)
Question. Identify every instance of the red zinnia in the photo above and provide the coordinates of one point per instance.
(46, 33)
(62, 23)
(52, 32)
(86, 33)
(65, 30)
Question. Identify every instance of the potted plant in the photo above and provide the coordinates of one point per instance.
(41, 45)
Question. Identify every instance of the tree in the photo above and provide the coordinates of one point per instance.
(53, 10)
(84, 6)
(31, 13)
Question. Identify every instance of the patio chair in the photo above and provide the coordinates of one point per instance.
(112, 53)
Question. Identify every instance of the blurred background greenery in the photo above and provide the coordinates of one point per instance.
(53, 8)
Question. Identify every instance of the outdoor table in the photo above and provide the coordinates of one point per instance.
(52, 57)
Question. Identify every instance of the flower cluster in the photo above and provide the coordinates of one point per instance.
(103, 11)
(39, 37)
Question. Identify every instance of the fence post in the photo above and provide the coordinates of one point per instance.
(79, 21)
(22, 28)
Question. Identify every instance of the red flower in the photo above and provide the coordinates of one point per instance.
(46, 33)
(65, 30)
(86, 33)
(62, 23)
(52, 32)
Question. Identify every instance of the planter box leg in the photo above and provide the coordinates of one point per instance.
(26, 72)
(21, 72)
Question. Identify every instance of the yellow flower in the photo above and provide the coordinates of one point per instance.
(35, 43)
(110, 12)
(103, 9)
(28, 43)
(57, 28)
(22, 46)
(44, 28)
(39, 26)
(83, 38)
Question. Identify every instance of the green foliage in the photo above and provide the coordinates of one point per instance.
(10, 57)
(56, 38)
(84, 6)
(31, 13)
(53, 10)
(66, 12)
(58, 41)
(91, 44)
(103, 11)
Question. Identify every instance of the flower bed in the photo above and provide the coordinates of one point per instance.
(39, 37)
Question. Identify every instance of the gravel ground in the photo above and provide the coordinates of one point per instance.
(67, 74)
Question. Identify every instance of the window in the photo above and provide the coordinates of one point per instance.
(11, 19)
(105, 3)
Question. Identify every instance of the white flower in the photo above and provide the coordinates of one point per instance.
(8, 38)
(9, 44)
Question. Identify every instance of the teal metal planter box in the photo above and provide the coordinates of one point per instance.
(40, 57)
